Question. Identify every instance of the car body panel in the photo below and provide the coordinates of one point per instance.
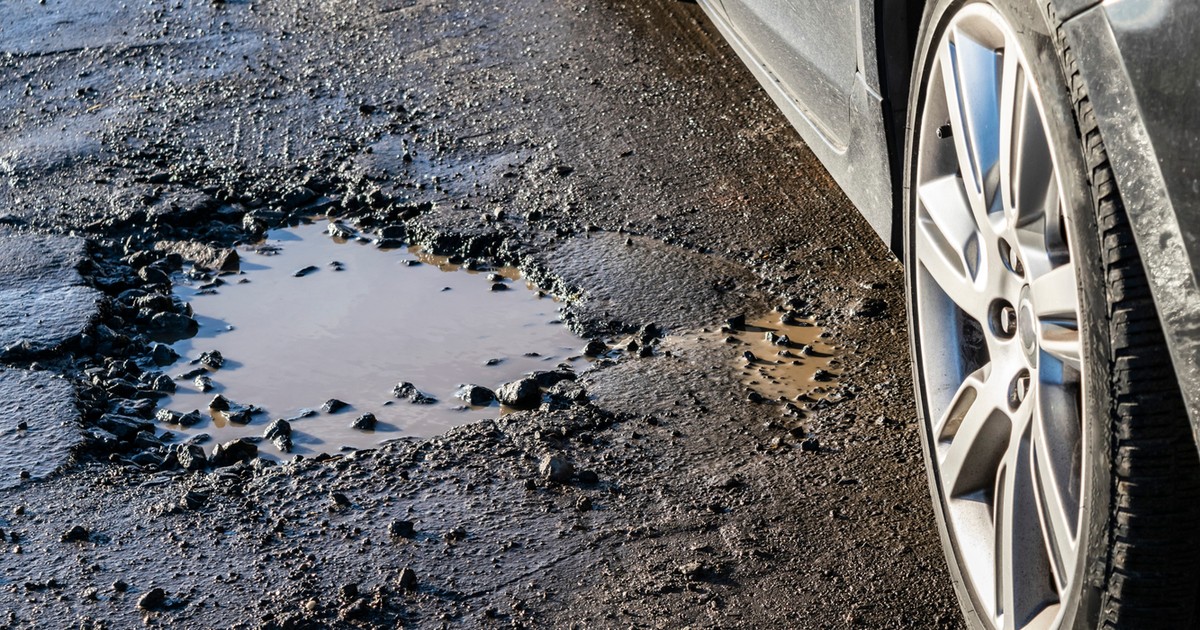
(1137, 58)
(860, 164)
(1131, 55)
(813, 58)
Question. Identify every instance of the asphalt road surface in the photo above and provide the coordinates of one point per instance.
(619, 154)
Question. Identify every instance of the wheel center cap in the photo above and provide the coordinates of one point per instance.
(1027, 327)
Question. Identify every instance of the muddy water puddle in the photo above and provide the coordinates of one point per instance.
(785, 358)
(312, 318)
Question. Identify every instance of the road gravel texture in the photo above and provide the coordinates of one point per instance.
(618, 153)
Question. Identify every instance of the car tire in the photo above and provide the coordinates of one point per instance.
(1064, 476)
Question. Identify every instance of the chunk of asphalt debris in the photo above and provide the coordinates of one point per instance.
(279, 432)
(191, 457)
(407, 580)
(556, 469)
(219, 403)
(551, 377)
(233, 451)
(408, 391)
(475, 395)
(365, 422)
(212, 360)
(520, 394)
(401, 529)
(184, 419)
(300, 273)
(77, 533)
(173, 325)
(203, 383)
(736, 322)
(332, 405)
(499, 286)
(163, 355)
(595, 348)
(337, 229)
(154, 599)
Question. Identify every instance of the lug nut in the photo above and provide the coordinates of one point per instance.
(1019, 390)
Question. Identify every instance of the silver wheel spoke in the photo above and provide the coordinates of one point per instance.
(1055, 301)
(1019, 548)
(975, 432)
(1053, 511)
(948, 244)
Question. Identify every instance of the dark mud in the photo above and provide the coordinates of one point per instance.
(620, 156)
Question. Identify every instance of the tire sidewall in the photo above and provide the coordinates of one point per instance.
(1033, 27)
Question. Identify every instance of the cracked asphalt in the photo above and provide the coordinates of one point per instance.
(618, 153)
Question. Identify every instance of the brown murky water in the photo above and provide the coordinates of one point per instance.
(791, 362)
(291, 343)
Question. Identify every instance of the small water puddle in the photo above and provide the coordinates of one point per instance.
(785, 358)
(356, 323)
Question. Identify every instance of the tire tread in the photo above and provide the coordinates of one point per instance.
(1150, 574)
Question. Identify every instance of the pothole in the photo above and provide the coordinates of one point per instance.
(784, 358)
(312, 318)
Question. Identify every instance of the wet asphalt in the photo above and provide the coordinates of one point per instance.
(619, 154)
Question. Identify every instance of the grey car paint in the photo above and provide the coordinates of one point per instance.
(1136, 57)
(860, 163)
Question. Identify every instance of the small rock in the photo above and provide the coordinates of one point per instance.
(212, 360)
(191, 457)
(203, 383)
(333, 405)
(584, 504)
(695, 570)
(409, 392)
(556, 469)
(162, 354)
(338, 229)
(520, 394)
(499, 286)
(304, 271)
(407, 580)
(234, 451)
(278, 428)
(365, 422)
(77, 533)
(401, 529)
(595, 348)
(340, 500)
(153, 599)
(475, 395)
(190, 418)
(173, 325)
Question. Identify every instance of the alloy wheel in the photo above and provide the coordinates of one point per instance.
(999, 355)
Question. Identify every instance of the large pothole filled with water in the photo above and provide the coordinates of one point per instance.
(311, 319)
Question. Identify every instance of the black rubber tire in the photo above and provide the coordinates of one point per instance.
(1151, 574)
(1140, 567)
